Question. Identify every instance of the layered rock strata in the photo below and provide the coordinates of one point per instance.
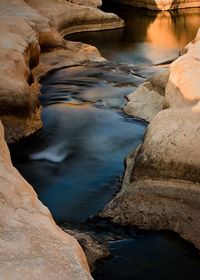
(160, 4)
(161, 187)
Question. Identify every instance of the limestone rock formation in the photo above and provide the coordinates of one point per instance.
(148, 99)
(161, 188)
(160, 4)
(32, 246)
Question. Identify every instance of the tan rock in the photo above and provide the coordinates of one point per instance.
(159, 205)
(75, 54)
(146, 101)
(69, 18)
(32, 246)
(182, 88)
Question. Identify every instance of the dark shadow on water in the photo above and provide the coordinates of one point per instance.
(150, 256)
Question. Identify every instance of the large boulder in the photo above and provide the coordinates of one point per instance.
(149, 98)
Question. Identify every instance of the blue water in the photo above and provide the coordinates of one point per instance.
(152, 256)
(77, 161)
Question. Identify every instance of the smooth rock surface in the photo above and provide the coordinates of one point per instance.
(32, 246)
(69, 18)
(149, 98)
(145, 102)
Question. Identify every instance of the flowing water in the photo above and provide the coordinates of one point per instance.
(76, 162)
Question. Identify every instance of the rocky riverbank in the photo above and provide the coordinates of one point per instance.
(161, 187)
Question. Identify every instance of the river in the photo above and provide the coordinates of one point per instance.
(76, 163)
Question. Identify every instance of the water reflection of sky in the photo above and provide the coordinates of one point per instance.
(148, 37)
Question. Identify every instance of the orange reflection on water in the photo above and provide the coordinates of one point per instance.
(173, 30)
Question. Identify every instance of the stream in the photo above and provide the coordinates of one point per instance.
(76, 162)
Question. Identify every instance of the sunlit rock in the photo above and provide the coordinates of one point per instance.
(148, 99)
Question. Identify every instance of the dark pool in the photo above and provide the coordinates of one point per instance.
(152, 256)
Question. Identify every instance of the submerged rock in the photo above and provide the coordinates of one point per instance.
(93, 248)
